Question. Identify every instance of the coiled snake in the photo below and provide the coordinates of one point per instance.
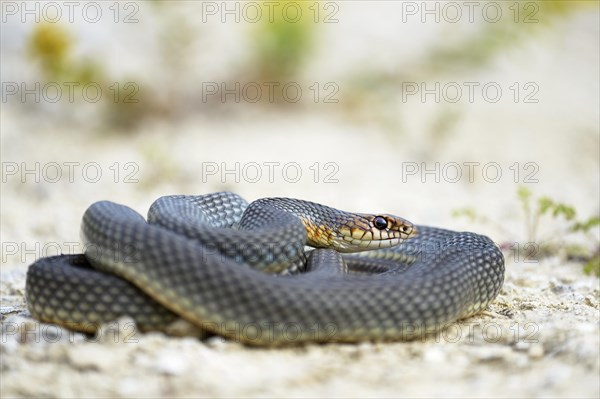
(243, 271)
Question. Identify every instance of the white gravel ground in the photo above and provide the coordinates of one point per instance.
(539, 338)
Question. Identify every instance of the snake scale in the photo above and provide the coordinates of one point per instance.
(244, 271)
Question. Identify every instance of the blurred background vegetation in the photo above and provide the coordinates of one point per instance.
(278, 51)
(152, 73)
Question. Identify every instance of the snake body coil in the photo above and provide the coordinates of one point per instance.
(208, 258)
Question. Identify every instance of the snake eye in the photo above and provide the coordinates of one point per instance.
(380, 222)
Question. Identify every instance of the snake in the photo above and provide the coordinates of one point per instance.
(272, 272)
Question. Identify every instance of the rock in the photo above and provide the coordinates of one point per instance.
(434, 355)
(536, 351)
(171, 363)
(92, 357)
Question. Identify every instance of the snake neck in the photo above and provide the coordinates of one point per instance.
(321, 222)
(343, 231)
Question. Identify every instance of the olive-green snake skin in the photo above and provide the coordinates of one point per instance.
(243, 271)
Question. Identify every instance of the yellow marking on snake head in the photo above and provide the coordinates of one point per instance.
(371, 232)
(319, 236)
(360, 233)
(357, 233)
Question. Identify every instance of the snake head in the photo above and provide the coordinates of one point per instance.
(365, 232)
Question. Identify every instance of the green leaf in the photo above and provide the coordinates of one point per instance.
(524, 194)
(566, 210)
(593, 266)
(587, 225)
(544, 203)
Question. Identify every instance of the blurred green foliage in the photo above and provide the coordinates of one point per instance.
(280, 47)
(543, 206)
(522, 19)
(282, 44)
(52, 46)
(546, 209)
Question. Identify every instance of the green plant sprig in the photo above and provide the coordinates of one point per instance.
(545, 208)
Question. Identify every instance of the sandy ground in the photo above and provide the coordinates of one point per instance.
(539, 338)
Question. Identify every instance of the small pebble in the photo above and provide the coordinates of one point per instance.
(536, 351)
(434, 355)
(522, 346)
(171, 363)
(91, 356)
